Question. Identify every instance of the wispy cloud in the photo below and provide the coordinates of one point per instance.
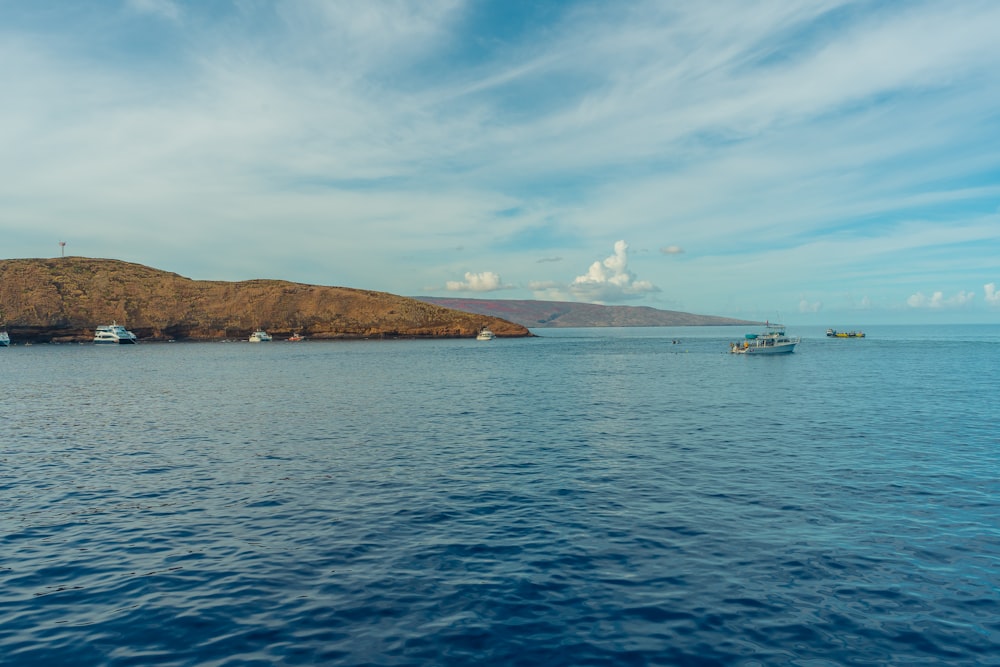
(163, 8)
(352, 142)
(487, 281)
(938, 300)
(806, 306)
(992, 296)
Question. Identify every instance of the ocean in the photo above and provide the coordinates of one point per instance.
(586, 497)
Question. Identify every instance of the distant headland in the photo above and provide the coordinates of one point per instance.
(542, 314)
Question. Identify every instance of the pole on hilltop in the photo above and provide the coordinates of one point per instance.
(62, 248)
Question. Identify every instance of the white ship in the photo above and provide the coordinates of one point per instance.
(114, 334)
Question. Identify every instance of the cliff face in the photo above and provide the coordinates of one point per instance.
(65, 299)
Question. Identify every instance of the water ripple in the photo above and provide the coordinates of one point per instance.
(564, 501)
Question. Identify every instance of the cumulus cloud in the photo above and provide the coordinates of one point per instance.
(487, 281)
(938, 300)
(610, 279)
(672, 250)
(806, 306)
(992, 296)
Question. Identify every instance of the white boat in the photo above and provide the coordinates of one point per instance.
(4, 339)
(260, 336)
(485, 334)
(114, 334)
(772, 341)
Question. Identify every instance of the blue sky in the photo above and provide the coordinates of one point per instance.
(824, 162)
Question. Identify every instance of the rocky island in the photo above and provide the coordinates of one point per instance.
(64, 300)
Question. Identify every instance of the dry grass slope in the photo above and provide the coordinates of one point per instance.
(64, 299)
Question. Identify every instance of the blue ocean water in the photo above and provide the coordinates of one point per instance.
(587, 497)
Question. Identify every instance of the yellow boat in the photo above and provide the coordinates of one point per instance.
(833, 333)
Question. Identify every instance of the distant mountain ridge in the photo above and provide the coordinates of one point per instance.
(65, 299)
(540, 314)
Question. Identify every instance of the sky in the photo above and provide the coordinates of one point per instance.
(818, 161)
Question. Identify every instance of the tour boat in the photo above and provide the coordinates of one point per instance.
(260, 336)
(114, 334)
(485, 334)
(772, 341)
(4, 339)
(833, 333)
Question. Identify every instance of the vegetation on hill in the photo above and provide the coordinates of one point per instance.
(538, 314)
(66, 298)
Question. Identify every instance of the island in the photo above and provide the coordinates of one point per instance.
(65, 299)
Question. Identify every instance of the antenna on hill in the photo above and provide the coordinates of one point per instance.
(62, 248)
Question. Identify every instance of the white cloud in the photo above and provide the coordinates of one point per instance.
(938, 300)
(992, 295)
(350, 143)
(487, 281)
(610, 279)
(806, 306)
(539, 285)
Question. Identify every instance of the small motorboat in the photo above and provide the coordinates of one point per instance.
(833, 333)
(260, 336)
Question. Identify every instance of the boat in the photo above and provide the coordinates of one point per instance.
(114, 334)
(4, 339)
(295, 338)
(772, 341)
(485, 334)
(260, 336)
(833, 333)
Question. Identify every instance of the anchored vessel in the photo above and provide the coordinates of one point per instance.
(4, 339)
(260, 336)
(114, 334)
(772, 341)
(833, 333)
(485, 334)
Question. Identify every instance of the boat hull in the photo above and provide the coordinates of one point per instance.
(769, 349)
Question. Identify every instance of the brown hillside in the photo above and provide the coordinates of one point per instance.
(541, 314)
(66, 298)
